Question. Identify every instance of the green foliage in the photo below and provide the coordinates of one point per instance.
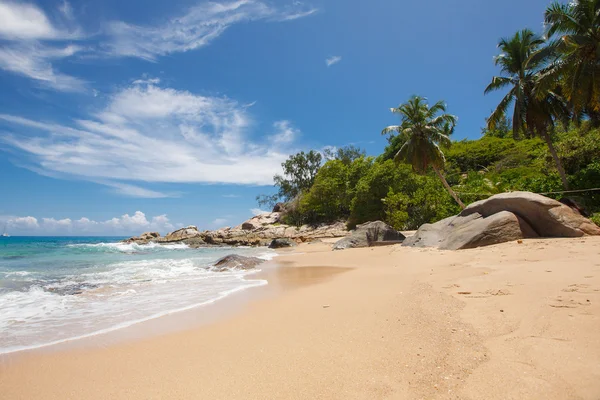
(596, 218)
(399, 197)
(346, 154)
(299, 172)
(495, 153)
(330, 197)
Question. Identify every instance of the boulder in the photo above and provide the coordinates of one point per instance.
(281, 243)
(547, 217)
(502, 218)
(150, 235)
(260, 221)
(473, 230)
(144, 238)
(368, 233)
(234, 261)
(182, 234)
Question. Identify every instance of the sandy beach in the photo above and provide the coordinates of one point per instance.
(512, 321)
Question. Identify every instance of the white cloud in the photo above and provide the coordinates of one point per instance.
(123, 225)
(25, 21)
(284, 132)
(22, 223)
(333, 60)
(197, 28)
(146, 133)
(231, 196)
(66, 9)
(28, 29)
(219, 222)
(34, 61)
(258, 211)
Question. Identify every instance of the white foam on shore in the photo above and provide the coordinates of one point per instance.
(131, 247)
(222, 295)
(102, 287)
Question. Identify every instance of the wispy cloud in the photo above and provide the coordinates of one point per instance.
(329, 61)
(258, 211)
(34, 60)
(35, 42)
(284, 132)
(148, 133)
(125, 224)
(231, 196)
(219, 222)
(198, 27)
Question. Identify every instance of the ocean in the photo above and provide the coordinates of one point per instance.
(56, 289)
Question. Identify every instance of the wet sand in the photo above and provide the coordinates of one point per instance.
(513, 321)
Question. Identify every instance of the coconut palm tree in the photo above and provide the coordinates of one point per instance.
(519, 70)
(524, 61)
(578, 68)
(424, 130)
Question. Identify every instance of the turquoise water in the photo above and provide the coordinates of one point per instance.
(54, 289)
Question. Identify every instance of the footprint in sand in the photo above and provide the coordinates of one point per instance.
(560, 302)
(487, 293)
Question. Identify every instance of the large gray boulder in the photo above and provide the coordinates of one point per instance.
(502, 218)
(473, 230)
(234, 261)
(368, 234)
(548, 217)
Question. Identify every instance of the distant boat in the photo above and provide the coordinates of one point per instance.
(5, 234)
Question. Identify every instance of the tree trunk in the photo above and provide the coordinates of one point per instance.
(561, 170)
(448, 188)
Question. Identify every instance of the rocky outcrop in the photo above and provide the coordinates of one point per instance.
(234, 261)
(182, 234)
(501, 218)
(282, 243)
(368, 234)
(144, 238)
(257, 231)
(260, 221)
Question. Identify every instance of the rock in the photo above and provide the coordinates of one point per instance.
(195, 242)
(260, 221)
(144, 238)
(502, 218)
(234, 261)
(366, 234)
(282, 242)
(280, 207)
(182, 234)
(473, 230)
(547, 217)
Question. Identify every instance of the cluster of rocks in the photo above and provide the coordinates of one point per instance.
(502, 218)
(261, 230)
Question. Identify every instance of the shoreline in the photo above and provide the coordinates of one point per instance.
(402, 323)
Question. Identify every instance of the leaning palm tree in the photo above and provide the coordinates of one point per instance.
(578, 67)
(523, 62)
(424, 130)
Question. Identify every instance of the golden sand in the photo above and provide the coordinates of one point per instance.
(513, 321)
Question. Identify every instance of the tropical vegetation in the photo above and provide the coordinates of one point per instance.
(543, 136)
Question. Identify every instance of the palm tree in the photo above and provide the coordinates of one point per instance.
(424, 130)
(578, 67)
(523, 61)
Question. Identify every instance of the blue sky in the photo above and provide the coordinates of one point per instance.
(118, 117)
